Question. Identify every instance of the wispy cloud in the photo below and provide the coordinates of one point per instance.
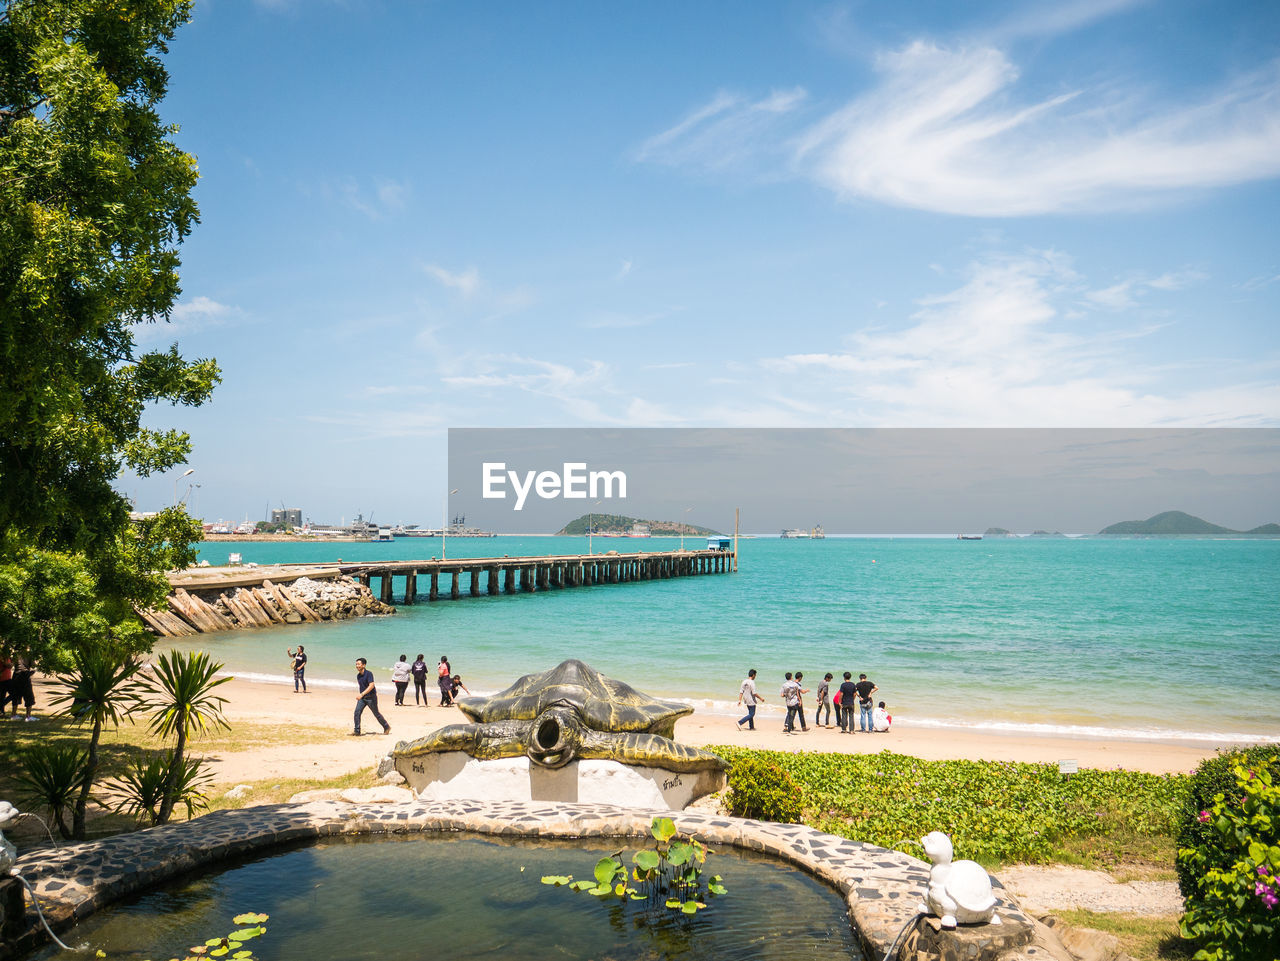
(944, 129)
(465, 282)
(376, 198)
(996, 351)
(606, 320)
(729, 131)
(186, 318)
(1128, 293)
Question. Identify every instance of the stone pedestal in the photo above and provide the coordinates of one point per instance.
(12, 909)
(451, 775)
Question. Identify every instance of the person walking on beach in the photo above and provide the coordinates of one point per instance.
(419, 671)
(790, 694)
(299, 668)
(444, 677)
(400, 678)
(848, 698)
(865, 704)
(824, 701)
(367, 697)
(800, 711)
(747, 695)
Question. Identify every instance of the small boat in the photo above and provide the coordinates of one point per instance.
(968, 537)
(794, 533)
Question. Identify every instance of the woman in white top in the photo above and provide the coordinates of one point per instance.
(400, 678)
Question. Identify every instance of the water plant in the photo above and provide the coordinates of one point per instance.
(670, 873)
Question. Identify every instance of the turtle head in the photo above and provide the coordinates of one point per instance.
(555, 736)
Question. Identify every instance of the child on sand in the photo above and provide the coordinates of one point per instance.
(881, 719)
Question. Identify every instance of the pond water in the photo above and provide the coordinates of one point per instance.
(467, 897)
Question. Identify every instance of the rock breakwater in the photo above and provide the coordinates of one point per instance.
(204, 609)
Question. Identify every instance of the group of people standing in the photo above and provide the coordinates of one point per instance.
(850, 697)
(401, 673)
(15, 687)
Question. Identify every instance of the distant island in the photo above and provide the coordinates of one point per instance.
(619, 525)
(1168, 524)
(1179, 524)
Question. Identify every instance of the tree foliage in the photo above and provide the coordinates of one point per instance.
(95, 198)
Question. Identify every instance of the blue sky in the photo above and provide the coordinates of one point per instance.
(418, 216)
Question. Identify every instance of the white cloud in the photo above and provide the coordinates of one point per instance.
(186, 318)
(466, 282)
(996, 352)
(727, 132)
(944, 129)
(377, 198)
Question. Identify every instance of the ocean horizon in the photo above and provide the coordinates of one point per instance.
(1161, 639)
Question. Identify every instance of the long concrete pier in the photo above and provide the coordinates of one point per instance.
(204, 600)
(516, 575)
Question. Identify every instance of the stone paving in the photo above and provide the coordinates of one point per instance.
(882, 888)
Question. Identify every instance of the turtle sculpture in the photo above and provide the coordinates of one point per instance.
(569, 712)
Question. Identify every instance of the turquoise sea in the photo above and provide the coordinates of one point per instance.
(1167, 639)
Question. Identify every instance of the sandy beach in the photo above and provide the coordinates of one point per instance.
(325, 748)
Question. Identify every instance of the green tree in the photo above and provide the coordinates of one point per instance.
(94, 200)
(181, 702)
(103, 687)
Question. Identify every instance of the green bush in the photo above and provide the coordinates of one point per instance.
(1215, 776)
(50, 777)
(995, 811)
(762, 789)
(1231, 911)
(139, 789)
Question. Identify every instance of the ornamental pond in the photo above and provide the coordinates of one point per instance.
(468, 897)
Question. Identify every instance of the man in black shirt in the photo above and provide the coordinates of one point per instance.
(368, 697)
(865, 705)
(848, 698)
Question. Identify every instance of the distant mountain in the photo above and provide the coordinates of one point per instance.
(621, 524)
(1179, 524)
(998, 532)
(1046, 534)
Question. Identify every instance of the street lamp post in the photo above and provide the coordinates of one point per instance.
(444, 528)
(189, 470)
(683, 526)
(591, 523)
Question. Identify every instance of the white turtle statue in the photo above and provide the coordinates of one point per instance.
(959, 891)
(8, 853)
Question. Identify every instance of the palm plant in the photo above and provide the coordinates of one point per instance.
(140, 787)
(50, 776)
(181, 702)
(103, 687)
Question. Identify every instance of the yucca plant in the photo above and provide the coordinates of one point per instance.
(50, 776)
(139, 789)
(102, 687)
(180, 700)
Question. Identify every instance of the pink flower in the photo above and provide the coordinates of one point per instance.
(1204, 817)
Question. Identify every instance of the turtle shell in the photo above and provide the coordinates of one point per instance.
(603, 703)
